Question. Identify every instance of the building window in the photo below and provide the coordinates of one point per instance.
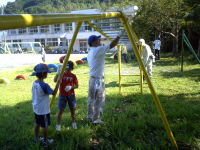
(44, 29)
(83, 45)
(33, 30)
(85, 28)
(17, 40)
(99, 23)
(52, 42)
(22, 30)
(108, 24)
(16, 45)
(42, 41)
(8, 41)
(13, 32)
(57, 28)
(63, 42)
(68, 27)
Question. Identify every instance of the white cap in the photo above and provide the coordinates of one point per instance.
(142, 42)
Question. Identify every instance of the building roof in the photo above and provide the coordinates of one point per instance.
(86, 11)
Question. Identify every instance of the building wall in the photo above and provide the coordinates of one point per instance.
(51, 36)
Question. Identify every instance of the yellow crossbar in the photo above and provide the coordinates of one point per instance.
(129, 83)
(28, 20)
(130, 75)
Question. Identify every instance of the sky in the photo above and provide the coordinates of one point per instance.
(4, 2)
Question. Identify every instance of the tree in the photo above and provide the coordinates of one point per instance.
(10, 8)
(192, 19)
(59, 6)
(160, 18)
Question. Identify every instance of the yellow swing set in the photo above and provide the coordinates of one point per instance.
(28, 20)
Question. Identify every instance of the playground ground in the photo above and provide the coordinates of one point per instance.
(12, 61)
(131, 121)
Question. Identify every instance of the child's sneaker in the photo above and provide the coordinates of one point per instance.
(58, 127)
(47, 143)
(50, 141)
(98, 121)
(74, 125)
(41, 139)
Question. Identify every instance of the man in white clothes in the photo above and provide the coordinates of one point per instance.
(157, 44)
(96, 62)
(147, 57)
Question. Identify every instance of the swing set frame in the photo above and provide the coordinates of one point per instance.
(28, 20)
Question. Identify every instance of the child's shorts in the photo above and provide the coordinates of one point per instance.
(62, 100)
(43, 120)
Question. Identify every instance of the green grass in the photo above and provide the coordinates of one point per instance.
(132, 120)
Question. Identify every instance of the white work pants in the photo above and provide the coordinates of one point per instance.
(96, 100)
(149, 68)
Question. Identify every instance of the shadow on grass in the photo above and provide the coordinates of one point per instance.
(193, 73)
(166, 60)
(132, 122)
(110, 60)
(17, 128)
(116, 84)
(142, 117)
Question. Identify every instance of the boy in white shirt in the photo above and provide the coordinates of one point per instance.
(40, 102)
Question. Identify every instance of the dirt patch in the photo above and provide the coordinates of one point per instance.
(12, 61)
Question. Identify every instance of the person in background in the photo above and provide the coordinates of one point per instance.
(40, 103)
(124, 53)
(61, 60)
(67, 95)
(157, 44)
(147, 57)
(96, 62)
(43, 53)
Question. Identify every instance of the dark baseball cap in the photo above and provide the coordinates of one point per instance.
(39, 68)
(93, 38)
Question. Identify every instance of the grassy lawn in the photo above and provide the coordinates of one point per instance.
(132, 120)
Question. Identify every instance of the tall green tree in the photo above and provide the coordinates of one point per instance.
(192, 19)
(160, 18)
(58, 6)
(194, 11)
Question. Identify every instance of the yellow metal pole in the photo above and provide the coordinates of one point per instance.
(134, 35)
(99, 30)
(119, 65)
(67, 58)
(124, 21)
(141, 73)
(28, 20)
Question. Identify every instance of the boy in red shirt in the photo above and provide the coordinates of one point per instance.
(68, 84)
